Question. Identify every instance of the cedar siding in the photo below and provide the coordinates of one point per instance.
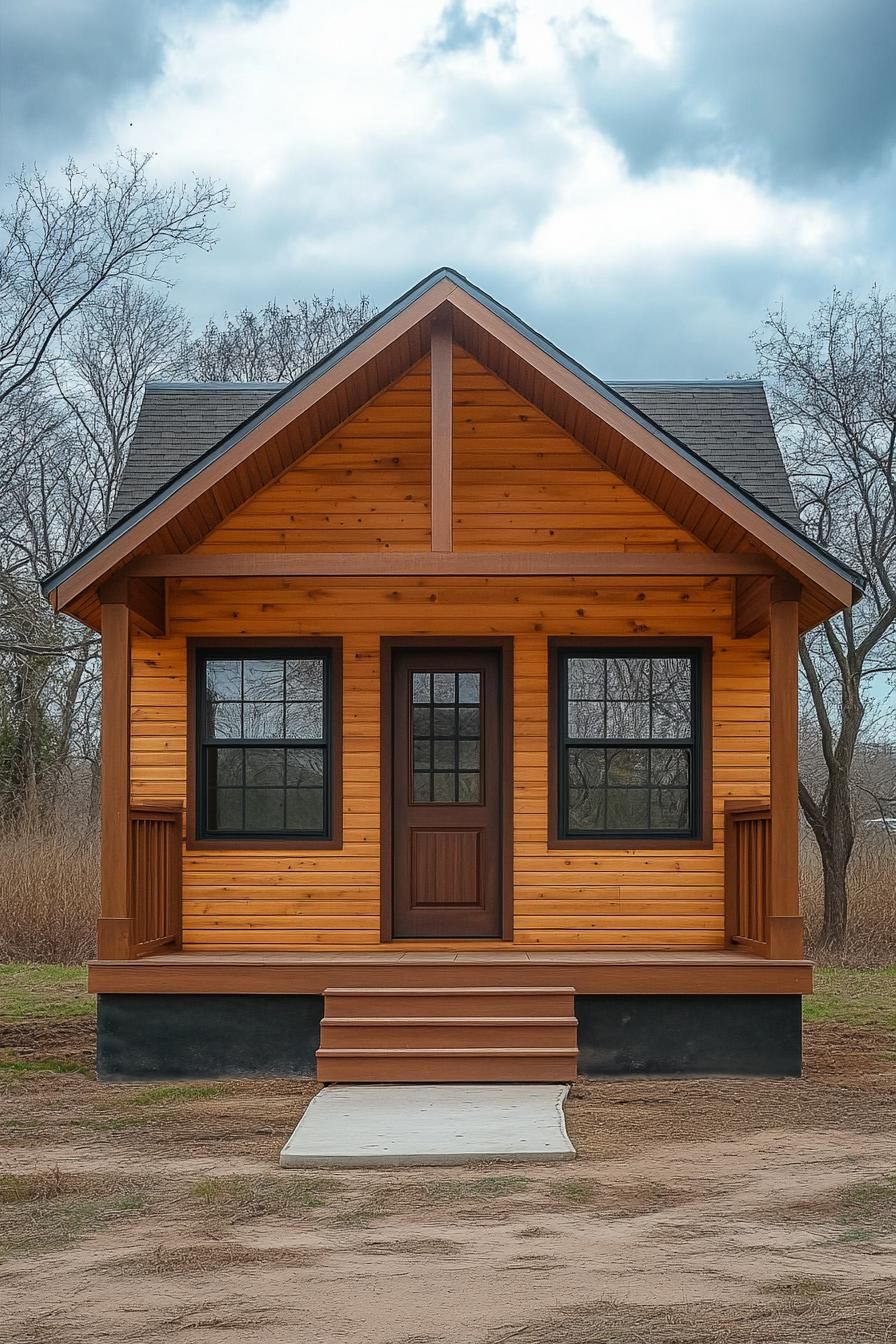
(519, 482)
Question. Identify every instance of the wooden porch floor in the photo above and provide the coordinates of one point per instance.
(605, 972)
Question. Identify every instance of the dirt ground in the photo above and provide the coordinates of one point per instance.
(749, 1211)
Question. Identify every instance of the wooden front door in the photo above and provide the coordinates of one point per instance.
(446, 793)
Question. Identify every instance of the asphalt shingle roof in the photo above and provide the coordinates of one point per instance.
(727, 424)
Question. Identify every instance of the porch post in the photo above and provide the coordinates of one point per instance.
(785, 927)
(114, 930)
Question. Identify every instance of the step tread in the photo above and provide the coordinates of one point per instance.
(398, 1052)
(429, 991)
(551, 1021)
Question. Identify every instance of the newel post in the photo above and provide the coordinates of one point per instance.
(114, 929)
(785, 927)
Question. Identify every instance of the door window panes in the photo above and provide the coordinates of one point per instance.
(446, 747)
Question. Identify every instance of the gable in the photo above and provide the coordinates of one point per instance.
(523, 483)
(520, 482)
(365, 487)
(152, 540)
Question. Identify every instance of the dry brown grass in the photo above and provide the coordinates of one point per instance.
(804, 1311)
(211, 1257)
(49, 894)
(49, 897)
(872, 907)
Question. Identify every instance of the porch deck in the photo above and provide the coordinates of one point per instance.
(605, 972)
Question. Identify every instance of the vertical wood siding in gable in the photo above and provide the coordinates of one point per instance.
(269, 900)
(365, 487)
(522, 483)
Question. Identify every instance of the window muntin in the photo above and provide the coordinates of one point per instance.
(628, 750)
(447, 737)
(264, 729)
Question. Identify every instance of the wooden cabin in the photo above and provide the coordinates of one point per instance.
(449, 720)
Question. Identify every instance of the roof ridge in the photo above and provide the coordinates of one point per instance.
(236, 385)
(197, 385)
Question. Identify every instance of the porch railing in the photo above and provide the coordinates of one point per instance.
(748, 875)
(154, 885)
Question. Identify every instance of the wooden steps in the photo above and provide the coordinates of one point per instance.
(480, 1034)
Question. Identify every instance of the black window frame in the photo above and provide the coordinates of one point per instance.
(330, 743)
(698, 744)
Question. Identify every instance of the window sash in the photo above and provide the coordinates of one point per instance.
(207, 742)
(690, 744)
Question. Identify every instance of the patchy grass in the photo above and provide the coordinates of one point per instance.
(615, 1200)
(413, 1246)
(243, 1197)
(17, 1066)
(854, 998)
(42, 993)
(41, 1211)
(168, 1094)
(211, 1258)
(864, 1210)
(868, 1209)
(839, 1312)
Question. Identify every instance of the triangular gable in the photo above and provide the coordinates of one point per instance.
(520, 483)
(701, 499)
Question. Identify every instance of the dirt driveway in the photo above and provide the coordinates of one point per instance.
(755, 1212)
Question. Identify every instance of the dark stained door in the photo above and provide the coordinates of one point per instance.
(446, 803)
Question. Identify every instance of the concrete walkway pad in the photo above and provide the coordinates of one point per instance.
(361, 1125)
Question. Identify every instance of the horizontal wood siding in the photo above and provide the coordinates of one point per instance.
(365, 487)
(522, 483)
(330, 900)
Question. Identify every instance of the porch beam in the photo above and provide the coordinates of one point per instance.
(442, 431)
(114, 931)
(785, 927)
(635, 564)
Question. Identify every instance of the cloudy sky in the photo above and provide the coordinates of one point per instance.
(640, 179)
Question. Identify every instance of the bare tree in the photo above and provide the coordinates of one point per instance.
(81, 331)
(832, 389)
(63, 245)
(124, 337)
(276, 344)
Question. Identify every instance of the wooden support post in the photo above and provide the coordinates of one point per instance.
(442, 394)
(114, 931)
(785, 927)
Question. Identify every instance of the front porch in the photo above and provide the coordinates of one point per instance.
(449, 1015)
(723, 972)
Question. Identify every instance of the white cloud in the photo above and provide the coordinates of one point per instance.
(356, 163)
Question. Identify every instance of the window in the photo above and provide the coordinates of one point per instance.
(264, 743)
(629, 749)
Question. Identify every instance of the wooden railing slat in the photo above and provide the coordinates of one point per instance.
(154, 877)
(748, 876)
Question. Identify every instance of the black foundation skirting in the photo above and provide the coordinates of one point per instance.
(672, 1035)
(142, 1036)
(158, 1036)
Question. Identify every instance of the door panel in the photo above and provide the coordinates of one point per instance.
(446, 796)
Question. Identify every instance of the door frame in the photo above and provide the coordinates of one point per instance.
(388, 645)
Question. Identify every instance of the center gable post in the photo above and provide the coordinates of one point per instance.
(442, 430)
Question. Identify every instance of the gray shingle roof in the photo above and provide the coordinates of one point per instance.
(727, 424)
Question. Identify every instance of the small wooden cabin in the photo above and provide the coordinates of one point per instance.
(449, 720)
